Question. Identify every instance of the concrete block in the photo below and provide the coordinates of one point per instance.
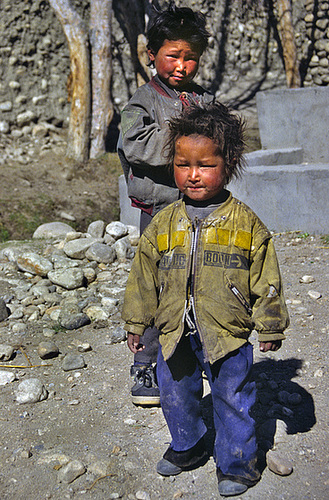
(295, 118)
(128, 214)
(288, 156)
(287, 197)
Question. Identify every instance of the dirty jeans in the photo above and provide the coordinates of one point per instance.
(233, 394)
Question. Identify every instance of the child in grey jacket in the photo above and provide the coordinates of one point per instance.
(177, 38)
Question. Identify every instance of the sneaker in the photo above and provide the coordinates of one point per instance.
(174, 462)
(145, 392)
(228, 488)
(166, 468)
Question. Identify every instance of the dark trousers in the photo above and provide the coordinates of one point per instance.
(150, 339)
(181, 387)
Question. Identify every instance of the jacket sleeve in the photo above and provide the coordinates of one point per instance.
(142, 138)
(141, 296)
(270, 313)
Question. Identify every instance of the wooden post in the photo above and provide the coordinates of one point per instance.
(286, 32)
(101, 73)
(77, 37)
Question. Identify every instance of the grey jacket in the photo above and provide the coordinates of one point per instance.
(141, 142)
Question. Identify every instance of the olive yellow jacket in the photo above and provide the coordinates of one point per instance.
(226, 271)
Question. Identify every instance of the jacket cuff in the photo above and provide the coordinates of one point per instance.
(135, 329)
(267, 337)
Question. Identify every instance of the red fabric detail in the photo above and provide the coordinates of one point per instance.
(142, 206)
(157, 87)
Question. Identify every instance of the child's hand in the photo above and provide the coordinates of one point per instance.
(273, 345)
(133, 342)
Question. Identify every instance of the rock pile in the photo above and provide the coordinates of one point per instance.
(67, 279)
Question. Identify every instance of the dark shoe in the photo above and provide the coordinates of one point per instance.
(228, 488)
(174, 462)
(166, 468)
(145, 392)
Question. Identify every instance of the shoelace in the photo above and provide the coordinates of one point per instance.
(146, 377)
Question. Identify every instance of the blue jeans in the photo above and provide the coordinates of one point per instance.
(233, 395)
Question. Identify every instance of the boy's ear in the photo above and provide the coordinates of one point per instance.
(151, 54)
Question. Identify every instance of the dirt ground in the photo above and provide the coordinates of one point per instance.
(51, 187)
(90, 417)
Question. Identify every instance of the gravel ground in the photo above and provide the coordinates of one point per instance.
(88, 416)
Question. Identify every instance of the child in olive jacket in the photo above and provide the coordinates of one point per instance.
(206, 275)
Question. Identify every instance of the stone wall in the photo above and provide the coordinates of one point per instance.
(243, 57)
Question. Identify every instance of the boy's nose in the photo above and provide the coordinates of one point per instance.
(194, 173)
(180, 65)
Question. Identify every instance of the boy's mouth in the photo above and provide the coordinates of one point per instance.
(194, 188)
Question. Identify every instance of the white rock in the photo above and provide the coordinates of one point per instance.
(76, 249)
(116, 229)
(6, 377)
(67, 278)
(142, 495)
(306, 279)
(100, 252)
(6, 352)
(123, 249)
(96, 229)
(278, 464)
(130, 421)
(31, 390)
(318, 373)
(50, 457)
(314, 294)
(25, 118)
(34, 264)
(6, 106)
(4, 127)
(71, 471)
(280, 435)
(134, 235)
(66, 216)
(96, 313)
(52, 230)
(39, 131)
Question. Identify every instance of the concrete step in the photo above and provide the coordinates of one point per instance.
(264, 157)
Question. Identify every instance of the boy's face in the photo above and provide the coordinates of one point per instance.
(199, 168)
(176, 63)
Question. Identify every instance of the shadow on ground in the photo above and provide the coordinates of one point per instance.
(279, 397)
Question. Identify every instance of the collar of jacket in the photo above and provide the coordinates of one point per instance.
(220, 213)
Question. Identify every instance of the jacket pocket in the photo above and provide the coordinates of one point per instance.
(240, 297)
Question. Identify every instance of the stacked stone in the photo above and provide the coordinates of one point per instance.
(35, 61)
(243, 51)
(317, 26)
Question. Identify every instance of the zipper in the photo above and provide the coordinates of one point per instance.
(194, 246)
(240, 297)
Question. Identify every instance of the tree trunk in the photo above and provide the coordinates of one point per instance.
(77, 38)
(101, 63)
(286, 32)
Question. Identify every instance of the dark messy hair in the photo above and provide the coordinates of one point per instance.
(178, 23)
(219, 124)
